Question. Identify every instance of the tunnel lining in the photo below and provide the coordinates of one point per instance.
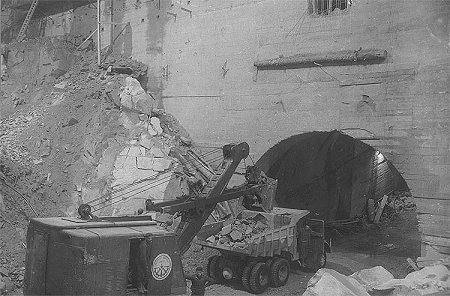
(329, 173)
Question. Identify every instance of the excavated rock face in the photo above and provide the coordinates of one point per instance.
(88, 135)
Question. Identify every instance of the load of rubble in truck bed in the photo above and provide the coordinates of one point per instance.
(239, 233)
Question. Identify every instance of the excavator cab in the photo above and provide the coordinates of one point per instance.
(71, 256)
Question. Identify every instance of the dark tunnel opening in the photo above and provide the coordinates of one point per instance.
(330, 174)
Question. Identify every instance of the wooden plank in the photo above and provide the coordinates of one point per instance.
(435, 206)
(430, 195)
(380, 209)
(436, 240)
(431, 256)
(445, 250)
(434, 225)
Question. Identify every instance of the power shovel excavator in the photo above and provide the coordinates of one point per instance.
(92, 255)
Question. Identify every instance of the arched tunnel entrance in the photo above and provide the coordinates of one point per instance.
(329, 173)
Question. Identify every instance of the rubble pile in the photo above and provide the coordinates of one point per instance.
(77, 132)
(431, 280)
(397, 202)
(239, 233)
(11, 280)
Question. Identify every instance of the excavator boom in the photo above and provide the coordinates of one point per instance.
(192, 222)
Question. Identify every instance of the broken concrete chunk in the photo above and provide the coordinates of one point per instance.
(2, 208)
(151, 130)
(156, 124)
(144, 103)
(134, 97)
(186, 141)
(46, 148)
(330, 282)
(38, 161)
(133, 86)
(135, 151)
(157, 152)
(161, 164)
(126, 100)
(260, 225)
(427, 281)
(211, 239)
(224, 239)
(236, 235)
(146, 143)
(125, 162)
(143, 117)
(144, 163)
(124, 152)
(372, 277)
(240, 245)
(71, 122)
(226, 230)
(247, 230)
(61, 85)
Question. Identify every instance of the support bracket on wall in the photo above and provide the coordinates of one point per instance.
(172, 14)
(187, 10)
(335, 58)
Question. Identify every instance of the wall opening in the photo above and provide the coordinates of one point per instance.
(326, 7)
(330, 173)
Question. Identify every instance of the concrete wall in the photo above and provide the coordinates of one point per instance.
(201, 56)
(210, 57)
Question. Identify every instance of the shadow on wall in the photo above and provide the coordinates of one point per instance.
(329, 173)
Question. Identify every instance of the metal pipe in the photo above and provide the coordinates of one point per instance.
(79, 46)
(112, 23)
(1, 68)
(98, 34)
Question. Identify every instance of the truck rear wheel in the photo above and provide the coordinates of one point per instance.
(246, 275)
(259, 278)
(279, 272)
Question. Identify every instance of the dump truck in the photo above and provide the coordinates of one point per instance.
(260, 254)
(90, 255)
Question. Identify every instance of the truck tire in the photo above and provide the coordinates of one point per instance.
(259, 278)
(246, 275)
(320, 262)
(213, 268)
(323, 260)
(279, 272)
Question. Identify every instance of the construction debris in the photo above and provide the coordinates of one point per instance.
(240, 232)
(62, 131)
(432, 280)
(396, 203)
(330, 282)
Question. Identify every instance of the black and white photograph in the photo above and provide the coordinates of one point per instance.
(225, 147)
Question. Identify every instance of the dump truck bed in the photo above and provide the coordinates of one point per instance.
(280, 236)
